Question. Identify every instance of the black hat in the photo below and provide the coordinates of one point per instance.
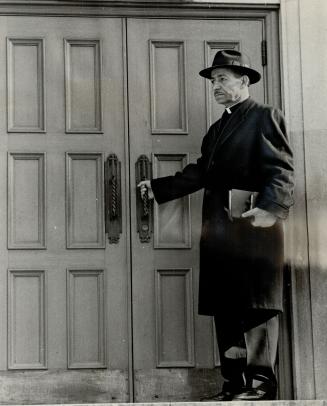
(235, 60)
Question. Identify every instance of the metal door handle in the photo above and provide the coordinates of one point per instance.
(113, 211)
(144, 206)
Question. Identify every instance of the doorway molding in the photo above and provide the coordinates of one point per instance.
(128, 8)
(298, 237)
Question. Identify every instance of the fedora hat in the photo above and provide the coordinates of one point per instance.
(235, 60)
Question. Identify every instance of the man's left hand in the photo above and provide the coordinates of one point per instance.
(261, 218)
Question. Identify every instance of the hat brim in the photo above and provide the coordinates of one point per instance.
(253, 75)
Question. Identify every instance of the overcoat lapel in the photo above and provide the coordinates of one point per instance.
(231, 126)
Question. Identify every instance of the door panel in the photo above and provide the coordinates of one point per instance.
(67, 286)
(170, 108)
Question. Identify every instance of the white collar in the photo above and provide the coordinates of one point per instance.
(228, 109)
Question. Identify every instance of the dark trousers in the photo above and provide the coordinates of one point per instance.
(260, 343)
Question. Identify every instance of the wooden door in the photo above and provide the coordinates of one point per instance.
(66, 290)
(170, 108)
(63, 286)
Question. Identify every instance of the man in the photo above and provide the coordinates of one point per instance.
(241, 259)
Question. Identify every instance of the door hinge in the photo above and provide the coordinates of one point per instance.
(264, 52)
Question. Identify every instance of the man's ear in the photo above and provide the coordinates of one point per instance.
(245, 80)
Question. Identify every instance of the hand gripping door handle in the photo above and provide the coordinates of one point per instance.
(113, 204)
(144, 206)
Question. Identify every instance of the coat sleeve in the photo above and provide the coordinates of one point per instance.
(189, 180)
(276, 160)
(182, 183)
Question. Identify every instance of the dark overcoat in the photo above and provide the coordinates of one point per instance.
(240, 265)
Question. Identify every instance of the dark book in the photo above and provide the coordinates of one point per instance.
(240, 201)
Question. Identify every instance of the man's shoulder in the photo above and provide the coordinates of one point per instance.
(265, 108)
(214, 126)
(266, 113)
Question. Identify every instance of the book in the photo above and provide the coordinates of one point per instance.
(240, 201)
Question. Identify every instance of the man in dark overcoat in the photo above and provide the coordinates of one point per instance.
(241, 259)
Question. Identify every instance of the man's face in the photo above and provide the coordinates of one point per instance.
(227, 86)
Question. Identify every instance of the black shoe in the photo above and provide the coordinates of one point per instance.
(223, 396)
(229, 390)
(262, 392)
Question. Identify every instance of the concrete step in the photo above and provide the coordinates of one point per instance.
(233, 403)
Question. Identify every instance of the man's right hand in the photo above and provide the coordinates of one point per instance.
(145, 185)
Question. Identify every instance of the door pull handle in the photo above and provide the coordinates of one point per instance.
(113, 204)
(144, 205)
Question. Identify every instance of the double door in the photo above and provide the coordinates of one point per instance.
(99, 288)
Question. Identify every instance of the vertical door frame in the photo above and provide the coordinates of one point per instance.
(289, 40)
(298, 238)
(128, 182)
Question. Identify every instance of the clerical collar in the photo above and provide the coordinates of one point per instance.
(232, 108)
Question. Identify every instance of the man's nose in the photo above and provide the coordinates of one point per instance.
(216, 85)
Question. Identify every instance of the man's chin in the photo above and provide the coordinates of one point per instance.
(220, 99)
